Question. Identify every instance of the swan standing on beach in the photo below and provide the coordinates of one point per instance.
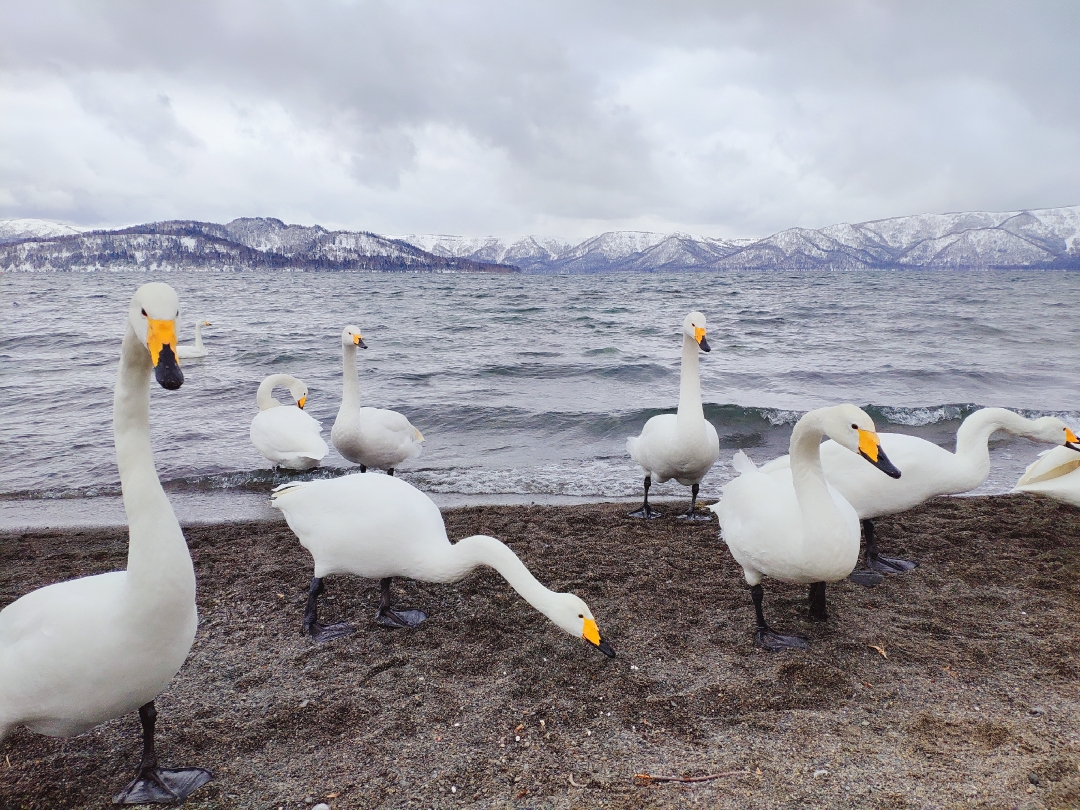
(929, 470)
(682, 445)
(1055, 473)
(285, 434)
(78, 653)
(790, 524)
(381, 527)
(196, 351)
(370, 437)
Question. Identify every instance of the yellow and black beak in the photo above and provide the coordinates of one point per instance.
(1071, 441)
(300, 402)
(591, 634)
(870, 449)
(161, 341)
(699, 336)
(359, 341)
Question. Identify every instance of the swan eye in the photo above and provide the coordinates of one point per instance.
(144, 314)
(854, 427)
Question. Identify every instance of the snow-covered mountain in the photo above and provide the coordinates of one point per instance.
(1038, 239)
(12, 230)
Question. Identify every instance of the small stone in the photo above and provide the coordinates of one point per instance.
(820, 772)
(1037, 710)
(1033, 778)
(309, 799)
(321, 806)
(453, 789)
(304, 703)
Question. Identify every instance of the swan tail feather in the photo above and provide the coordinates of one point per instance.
(742, 463)
(282, 489)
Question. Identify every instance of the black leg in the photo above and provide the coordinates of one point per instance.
(817, 602)
(363, 468)
(321, 632)
(765, 636)
(646, 511)
(867, 577)
(154, 785)
(879, 562)
(692, 513)
(390, 471)
(388, 617)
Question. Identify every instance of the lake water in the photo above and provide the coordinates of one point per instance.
(525, 387)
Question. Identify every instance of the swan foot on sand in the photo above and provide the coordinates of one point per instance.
(817, 603)
(154, 785)
(646, 512)
(321, 632)
(388, 617)
(767, 638)
(866, 577)
(692, 513)
(879, 562)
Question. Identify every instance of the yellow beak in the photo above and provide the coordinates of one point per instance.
(591, 633)
(869, 444)
(300, 402)
(356, 339)
(159, 334)
(699, 333)
(1070, 436)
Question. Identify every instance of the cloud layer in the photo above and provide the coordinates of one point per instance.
(552, 118)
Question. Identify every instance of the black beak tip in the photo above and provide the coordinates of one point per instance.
(1073, 446)
(705, 345)
(605, 648)
(882, 463)
(362, 345)
(167, 371)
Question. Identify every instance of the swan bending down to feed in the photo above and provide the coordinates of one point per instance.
(790, 524)
(1056, 474)
(370, 437)
(196, 351)
(929, 470)
(78, 653)
(679, 445)
(285, 434)
(381, 527)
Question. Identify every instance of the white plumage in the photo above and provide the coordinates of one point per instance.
(196, 351)
(286, 434)
(1056, 474)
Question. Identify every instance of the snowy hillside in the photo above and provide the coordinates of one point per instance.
(12, 230)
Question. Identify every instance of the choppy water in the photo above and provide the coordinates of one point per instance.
(525, 387)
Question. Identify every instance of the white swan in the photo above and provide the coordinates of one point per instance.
(78, 653)
(381, 527)
(370, 437)
(286, 435)
(1055, 473)
(790, 524)
(198, 350)
(929, 470)
(682, 445)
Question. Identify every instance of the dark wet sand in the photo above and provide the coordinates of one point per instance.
(490, 705)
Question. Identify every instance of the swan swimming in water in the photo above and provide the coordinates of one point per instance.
(380, 527)
(370, 437)
(286, 434)
(198, 350)
(790, 524)
(929, 470)
(1055, 473)
(679, 445)
(77, 653)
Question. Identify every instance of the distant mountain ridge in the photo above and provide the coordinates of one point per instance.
(246, 243)
(1038, 239)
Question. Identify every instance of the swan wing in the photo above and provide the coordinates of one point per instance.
(761, 523)
(287, 433)
(1053, 463)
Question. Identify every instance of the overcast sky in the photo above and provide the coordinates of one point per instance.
(556, 118)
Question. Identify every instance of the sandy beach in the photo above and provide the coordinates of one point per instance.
(954, 686)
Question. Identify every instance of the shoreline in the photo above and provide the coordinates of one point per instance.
(972, 692)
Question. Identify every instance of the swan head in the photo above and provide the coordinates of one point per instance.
(1052, 430)
(694, 328)
(572, 614)
(853, 428)
(299, 392)
(207, 323)
(152, 316)
(350, 337)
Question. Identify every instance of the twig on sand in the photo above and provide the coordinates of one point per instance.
(575, 784)
(648, 778)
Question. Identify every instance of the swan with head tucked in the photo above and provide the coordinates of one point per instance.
(286, 434)
(196, 351)
(929, 470)
(1055, 473)
(77, 653)
(381, 527)
(790, 524)
(370, 437)
(679, 445)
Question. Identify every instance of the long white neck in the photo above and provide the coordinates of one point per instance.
(820, 516)
(973, 438)
(158, 559)
(265, 396)
(690, 411)
(198, 335)
(467, 553)
(350, 380)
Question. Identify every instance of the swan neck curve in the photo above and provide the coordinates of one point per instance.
(690, 409)
(265, 397)
(973, 438)
(819, 512)
(479, 549)
(198, 335)
(350, 378)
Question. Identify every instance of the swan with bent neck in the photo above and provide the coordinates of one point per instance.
(75, 654)
(790, 524)
(681, 445)
(286, 434)
(929, 470)
(198, 350)
(370, 437)
(381, 527)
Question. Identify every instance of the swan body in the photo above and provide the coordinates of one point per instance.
(196, 351)
(370, 437)
(381, 527)
(1056, 474)
(77, 653)
(789, 524)
(286, 434)
(682, 446)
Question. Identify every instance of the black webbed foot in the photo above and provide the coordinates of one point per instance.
(866, 577)
(774, 642)
(889, 565)
(162, 785)
(326, 632)
(389, 617)
(695, 516)
(646, 512)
